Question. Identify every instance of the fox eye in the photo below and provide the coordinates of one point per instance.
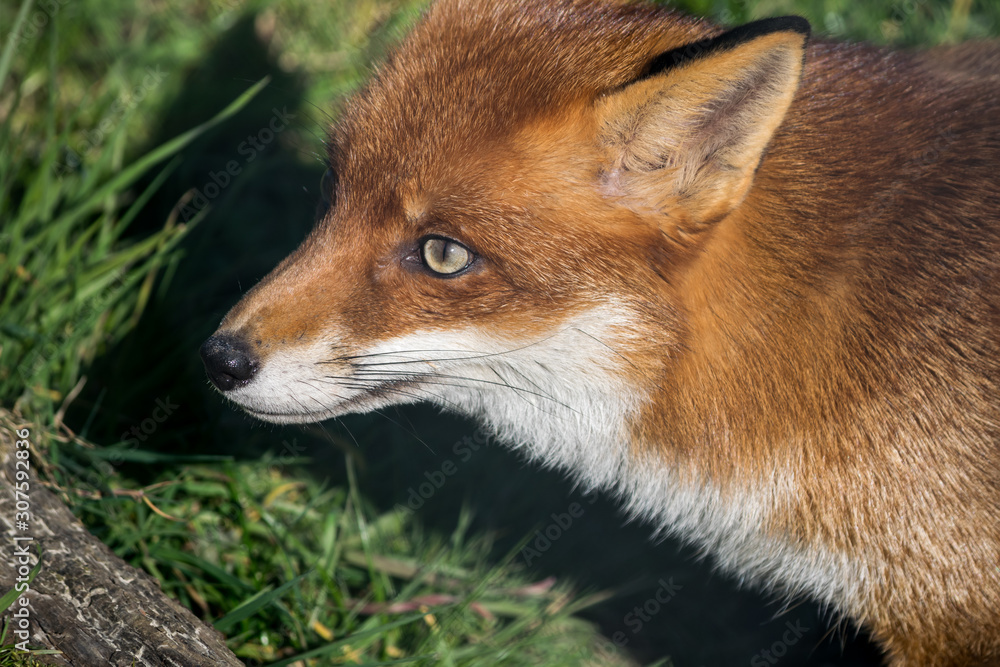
(444, 256)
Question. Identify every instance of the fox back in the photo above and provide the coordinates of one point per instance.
(745, 279)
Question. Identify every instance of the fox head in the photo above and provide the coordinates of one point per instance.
(626, 241)
(517, 204)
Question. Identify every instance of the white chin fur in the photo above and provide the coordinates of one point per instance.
(303, 385)
(292, 418)
(563, 399)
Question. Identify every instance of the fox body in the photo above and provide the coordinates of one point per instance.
(746, 279)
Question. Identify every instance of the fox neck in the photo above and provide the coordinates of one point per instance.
(576, 402)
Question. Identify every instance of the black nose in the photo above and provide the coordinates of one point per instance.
(229, 361)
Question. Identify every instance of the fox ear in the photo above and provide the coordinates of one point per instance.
(685, 139)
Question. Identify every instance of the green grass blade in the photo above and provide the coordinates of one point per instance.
(367, 663)
(250, 606)
(142, 456)
(134, 171)
(166, 553)
(142, 199)
(12, 40)
(354, 638)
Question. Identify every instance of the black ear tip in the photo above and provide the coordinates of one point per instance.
(751, 31)
(791, 24)
(727, 40)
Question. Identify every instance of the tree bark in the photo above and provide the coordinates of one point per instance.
(85, 601)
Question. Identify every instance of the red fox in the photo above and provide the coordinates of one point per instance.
(746, 279)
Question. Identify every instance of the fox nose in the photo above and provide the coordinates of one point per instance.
(229, 361)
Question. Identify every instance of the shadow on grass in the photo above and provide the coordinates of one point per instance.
(670, 604)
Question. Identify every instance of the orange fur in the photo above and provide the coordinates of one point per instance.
(803, 241)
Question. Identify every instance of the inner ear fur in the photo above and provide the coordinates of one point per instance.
(685, 139)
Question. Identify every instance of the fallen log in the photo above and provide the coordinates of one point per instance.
(85, 601)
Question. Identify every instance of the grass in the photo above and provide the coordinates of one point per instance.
(291, 568)
(114, 117)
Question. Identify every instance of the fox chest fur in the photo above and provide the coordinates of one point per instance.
(745, 279)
